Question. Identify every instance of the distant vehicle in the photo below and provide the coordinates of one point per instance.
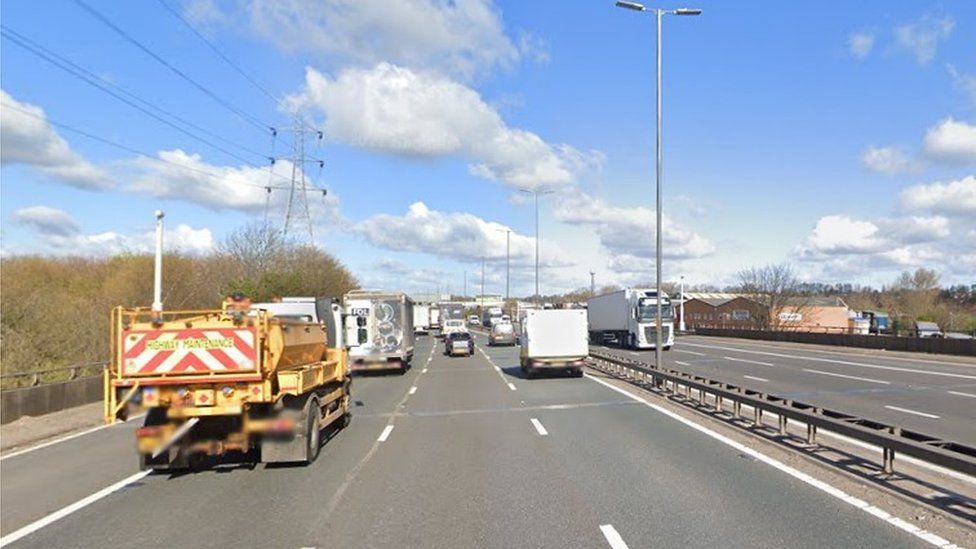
(502, 333)
(506, 318)
(450, 310)
(474, 320)
(382, 335)
(435, 318)
(927, 329)
(554, 339)
(326, 310)
(459, 344)
(421, 318)
(490, 316)
(627, 317)
(452, 326)
(880, 322)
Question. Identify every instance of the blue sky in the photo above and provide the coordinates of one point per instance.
(840, 140)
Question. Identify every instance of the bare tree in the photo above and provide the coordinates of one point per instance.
(777, 289)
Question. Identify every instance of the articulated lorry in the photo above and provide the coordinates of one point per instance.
(553, 339)
(237, 379)
(379, 330)
(627, 318)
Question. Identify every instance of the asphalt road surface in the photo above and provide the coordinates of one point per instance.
(932, 394)
(455, 453)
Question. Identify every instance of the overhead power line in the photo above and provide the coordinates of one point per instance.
(219, 53)
(141, 153)
(254, 121)
(122, 94)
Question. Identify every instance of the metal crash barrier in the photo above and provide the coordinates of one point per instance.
(891, 439)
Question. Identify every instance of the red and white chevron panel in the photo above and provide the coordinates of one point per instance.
(189, 351)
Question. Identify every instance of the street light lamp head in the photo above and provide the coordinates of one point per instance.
(687, 11)
(630, 5)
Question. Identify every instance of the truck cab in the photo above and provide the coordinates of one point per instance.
(628, 318)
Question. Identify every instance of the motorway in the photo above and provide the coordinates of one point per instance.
(932, 394)
(457, 452)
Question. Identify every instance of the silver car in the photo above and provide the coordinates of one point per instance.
(502, 333)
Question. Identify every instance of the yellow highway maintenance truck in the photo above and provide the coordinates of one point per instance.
(216, 382)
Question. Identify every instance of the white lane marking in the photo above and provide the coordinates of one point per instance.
(613, 538)
(385, 434)
(771, 345)
(681, 363)
(497, 369)
(538, 427)
(913, 412)
(511, 386)
(689, 352)
(832, 361)
(747, 361)
(795, 473)
(412, 390)
(756, 378)
(845, 376)
(68, 437)
(959, 393)
(424, 371)
(65, 511)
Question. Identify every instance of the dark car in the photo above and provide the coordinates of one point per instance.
(459, 343)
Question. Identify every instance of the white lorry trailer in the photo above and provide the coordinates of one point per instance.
(435, 318)
(627, 318)
(554, 339)
(450, 310)
(421, 318)
(379, 330)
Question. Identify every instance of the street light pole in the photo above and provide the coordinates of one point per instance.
(465, 284)
(592, 284)
(482, 280)
(536, 193)
(681, 323)
(659, 13)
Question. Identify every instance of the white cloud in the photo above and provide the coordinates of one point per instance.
(462, 37)
(922, 37)
(954, 197)
(951, 141)
(839, 234)
(458, 236)
(964, 81)
(859, 44)
(394, 109)
(46, 220)
(183, 238)
(183, 176)
(887, 160)
(29, 139)
(627, 233)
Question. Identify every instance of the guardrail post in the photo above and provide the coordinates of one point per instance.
(736, 409)
(73, 373)
(782, 425)
(889, 454)
(35, 380)
(701, 397)
(811, 434)
(718, 404)
(757, 416)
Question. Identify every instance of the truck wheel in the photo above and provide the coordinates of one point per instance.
(312, 432)
(578, 372)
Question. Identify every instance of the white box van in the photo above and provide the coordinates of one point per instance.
(554, 339)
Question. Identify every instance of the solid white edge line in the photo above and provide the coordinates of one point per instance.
(65, 511)
(756, 378)
(385, 434)
(913, 412)
(511, 386)
(538, 427)
(816, 483)
(412, 390)
(845, 376)
(67, 438)
(613, 537)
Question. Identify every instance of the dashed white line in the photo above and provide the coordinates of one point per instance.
(613, 537)
(756, 378)
(689, 352)
(959, 393)
(385, 434)
(65, 511)
(845, 376)
(913, 412)
(795, 473)
(733, 359)
(832, 361)
(681, 363)
(511, 386)
(424, 371)
(412, 390)
(538, 427)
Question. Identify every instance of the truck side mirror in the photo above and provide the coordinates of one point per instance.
(636, 315)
